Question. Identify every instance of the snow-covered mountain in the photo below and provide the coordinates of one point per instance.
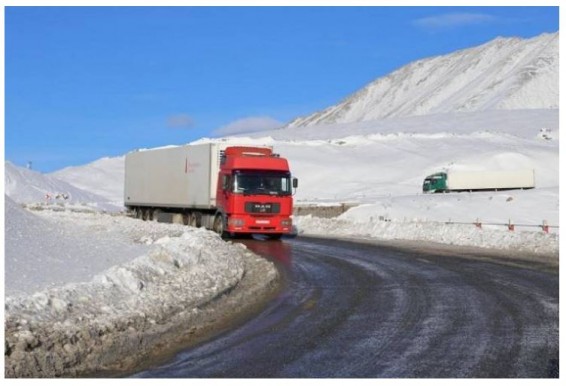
(503, 74)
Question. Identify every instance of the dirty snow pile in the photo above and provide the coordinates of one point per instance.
(82, 275)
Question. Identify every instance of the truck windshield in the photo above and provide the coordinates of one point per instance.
(262, 182)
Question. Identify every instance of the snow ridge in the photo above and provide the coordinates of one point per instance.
(506, 73)
(94, 177)
(29, 186)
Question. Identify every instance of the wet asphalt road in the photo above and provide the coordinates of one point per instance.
(356, 310)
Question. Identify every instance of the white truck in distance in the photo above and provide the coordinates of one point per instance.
(454, 181)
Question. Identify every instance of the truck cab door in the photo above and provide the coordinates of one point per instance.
(222, 191)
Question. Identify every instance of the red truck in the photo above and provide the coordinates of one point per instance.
(233, 190)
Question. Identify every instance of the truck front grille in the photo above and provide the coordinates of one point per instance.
(262, 207)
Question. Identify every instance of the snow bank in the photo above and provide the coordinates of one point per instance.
(194, 261)
(531, 242)
(52, 331)
(42, 252)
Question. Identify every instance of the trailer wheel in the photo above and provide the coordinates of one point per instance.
(144, 214)
(219, 226)
(192, 220)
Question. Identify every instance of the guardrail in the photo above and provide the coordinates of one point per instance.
(545, 227)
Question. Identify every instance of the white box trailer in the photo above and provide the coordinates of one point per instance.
(479, 180)
(173, 177)
(515, 179)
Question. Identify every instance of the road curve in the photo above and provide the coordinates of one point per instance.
(361, 310)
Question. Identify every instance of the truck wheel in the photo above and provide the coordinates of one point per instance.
(192, 220)
(219, 226)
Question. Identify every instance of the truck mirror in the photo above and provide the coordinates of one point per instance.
(295, 183)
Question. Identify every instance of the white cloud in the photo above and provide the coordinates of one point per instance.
(248, 125)
(180, 121)
(451, 20)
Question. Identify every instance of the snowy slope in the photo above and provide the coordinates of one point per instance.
(94, 178)
(41, 253)
(506, 73)
(28, 186)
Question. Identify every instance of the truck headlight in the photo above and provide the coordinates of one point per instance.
(236, 222)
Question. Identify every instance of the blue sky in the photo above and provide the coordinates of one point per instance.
(82, 83)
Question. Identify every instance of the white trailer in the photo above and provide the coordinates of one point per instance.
(479, 180)
(173, 177)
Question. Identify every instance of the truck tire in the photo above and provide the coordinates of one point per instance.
(218, 226)
(192, 220)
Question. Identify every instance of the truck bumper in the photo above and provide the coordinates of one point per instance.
(259, 224)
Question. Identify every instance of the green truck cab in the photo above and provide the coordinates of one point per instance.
(435, 183)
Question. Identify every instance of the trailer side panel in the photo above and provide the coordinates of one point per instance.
(181, 177)
(515, 179)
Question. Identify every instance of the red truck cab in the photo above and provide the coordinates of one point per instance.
(254, 193)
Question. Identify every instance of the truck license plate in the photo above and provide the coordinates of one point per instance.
(262, 221)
